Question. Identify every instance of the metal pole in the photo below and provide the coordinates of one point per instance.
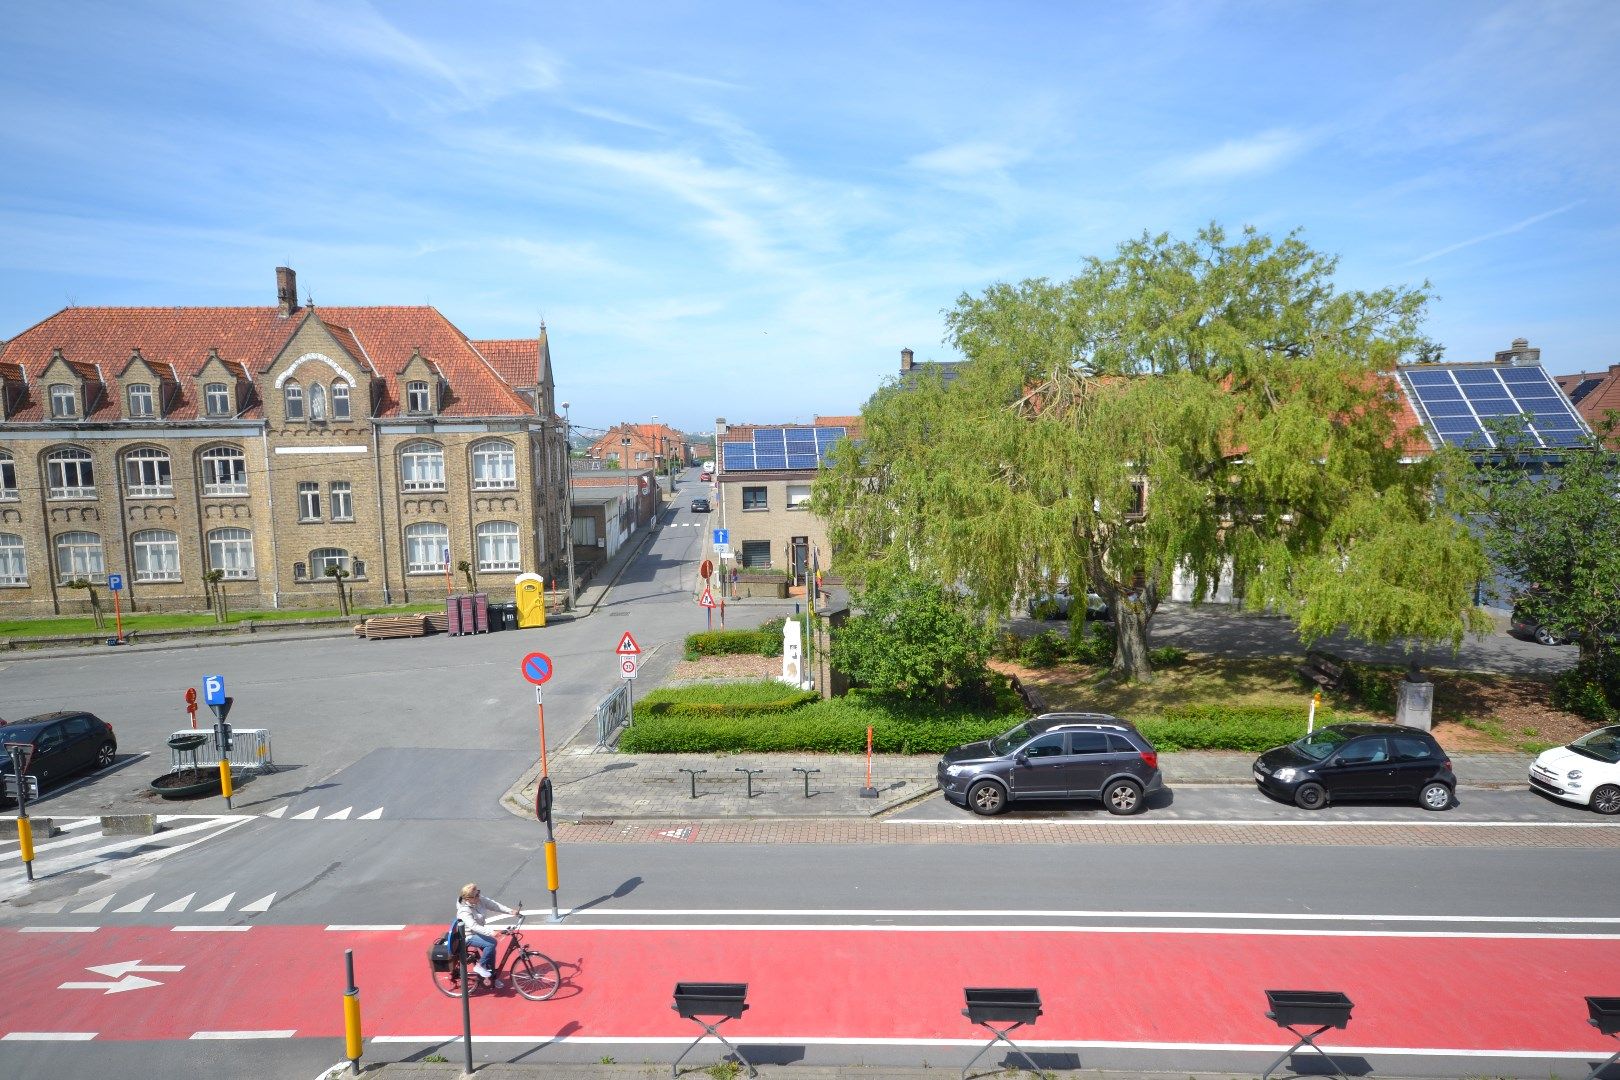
(460, 945)
(568, 499)
(118, 616)
(551, 870)
(351, 1013)
(540, 704)
(25, 828)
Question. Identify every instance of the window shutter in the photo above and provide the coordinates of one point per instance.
(299, 571)
(359, 568)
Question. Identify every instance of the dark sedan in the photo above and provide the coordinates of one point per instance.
(64, 743)
(1359, 761)
(700, 506)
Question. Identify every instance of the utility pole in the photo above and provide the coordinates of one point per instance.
(568, 502)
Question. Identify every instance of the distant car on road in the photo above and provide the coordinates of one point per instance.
(64, 743)
(1586, 772)
(700, 506)
(1359, 761)
(1055, 756)
(1058, 604)
(704, 476)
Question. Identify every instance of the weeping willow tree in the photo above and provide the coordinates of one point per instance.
(1213, 408)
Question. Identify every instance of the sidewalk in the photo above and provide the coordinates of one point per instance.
(501, 1070)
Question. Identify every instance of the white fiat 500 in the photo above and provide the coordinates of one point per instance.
(1586, 772)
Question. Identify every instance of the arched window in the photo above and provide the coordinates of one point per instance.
(13, 560)
(142, 405)
(8, 477)
(78, 555)
(494, 465)
(425, 545)
(317, 401)
(321, 558)
(498, 546)
(217, 399)
(416, 397)
(157, 555)
(231, 550)
(421, 467)
(146, 473)
(293, 395)
(70, 474)
(224, 471)
(340, 401)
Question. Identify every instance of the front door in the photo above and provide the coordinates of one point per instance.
(1042, 769)
(799, 553)
(49, 747)
(1361, 770)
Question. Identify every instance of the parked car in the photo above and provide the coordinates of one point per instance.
(705, 476)
(700, 506)
(1055, 756)
(1359, 761)
(1586, 772)
(1056, 605)
(64, 743)
(1527, 628)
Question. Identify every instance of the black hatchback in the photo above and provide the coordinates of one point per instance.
(1359, 761)
(1055, 756)
(64, 743)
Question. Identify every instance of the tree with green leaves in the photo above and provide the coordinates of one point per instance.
(337, 574)
(1555, 532)
(214, 582)
(1214, 408)
(913, 639)
(95, 601)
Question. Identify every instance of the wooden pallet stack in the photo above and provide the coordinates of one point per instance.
(394, 626)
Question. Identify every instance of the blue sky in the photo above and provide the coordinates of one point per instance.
(747, 210)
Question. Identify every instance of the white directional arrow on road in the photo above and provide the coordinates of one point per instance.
(124, 967)
(128, 982)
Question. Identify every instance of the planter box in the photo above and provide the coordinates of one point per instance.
(762, 585)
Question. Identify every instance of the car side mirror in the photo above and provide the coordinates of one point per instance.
(1021, 758)
(1333, 763)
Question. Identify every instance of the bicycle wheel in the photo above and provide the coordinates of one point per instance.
(447, 983)
(535, 975)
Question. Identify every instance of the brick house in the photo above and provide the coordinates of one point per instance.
(639, 446)
(271, 443)
(1596, 395)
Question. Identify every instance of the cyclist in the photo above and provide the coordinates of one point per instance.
(472, 907)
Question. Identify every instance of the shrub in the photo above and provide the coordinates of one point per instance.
(1579, 692)
(731, 643)
(1373, 684)
(760, 697)
(915, 639)
(1220, 727)
(1041, 651)
(1092, 643)
(1167, 657)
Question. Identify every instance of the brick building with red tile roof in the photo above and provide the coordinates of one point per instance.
(1596, 395)
(271, 443)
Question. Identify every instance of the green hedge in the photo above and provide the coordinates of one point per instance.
(1219, 727)
(759, 697)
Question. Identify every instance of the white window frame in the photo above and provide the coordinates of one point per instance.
(340, 400)
(424, 547)
(340, 500)
(147, 407)
(157, 555)
(70, 473)
(217, 399)
(8, 478)
(64, 401)
(418, 400)
(212, 461)
(494, 465)
(421, 467)
(309, 500)
(500, 546)
(80, 555)
(226, 548)
(13, 560)
(148, 473)
(802, 502)
(317, 402)
(321, 558)
(292, 400)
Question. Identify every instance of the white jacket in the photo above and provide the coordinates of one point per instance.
(472, 916)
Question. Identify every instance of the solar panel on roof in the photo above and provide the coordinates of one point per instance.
(1429, 378)
(1524, 376)
(1477, 378)
(736, 456)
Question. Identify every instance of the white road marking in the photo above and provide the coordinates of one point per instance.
(209, 929)
(341, 815)
(93, 908)
(121, 986)
(277, 812)
(1004, 913)
(261, 904)
(1139, 823)
(364, 926)
(375, 815)
(135, 906)
(222, 904)
(51, 1036)
(1224, 931)
(307, 815)
(57, 929)
(211, 828)
(284, 1033)
(178, 905)
(125, 967)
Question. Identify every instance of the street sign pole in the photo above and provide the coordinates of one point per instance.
(21, 754)
(447, 586)
(115, 584)
(537, 669)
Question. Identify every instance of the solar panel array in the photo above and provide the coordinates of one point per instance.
(1461, 405)
(781, 448)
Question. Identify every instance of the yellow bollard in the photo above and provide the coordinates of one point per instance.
(25, 839)
(351, 1013)
(225, 778)
(551, 865)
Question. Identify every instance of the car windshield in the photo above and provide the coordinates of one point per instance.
(1319, 744)
(1603, 744)
(1004, 744)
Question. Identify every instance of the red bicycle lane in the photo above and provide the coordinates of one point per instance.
(1154, 986)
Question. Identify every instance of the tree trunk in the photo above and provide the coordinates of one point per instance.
(1131, 664)
(221, 612)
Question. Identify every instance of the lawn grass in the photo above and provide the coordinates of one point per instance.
(58, 626)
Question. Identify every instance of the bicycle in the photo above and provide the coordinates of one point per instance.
(531, 972)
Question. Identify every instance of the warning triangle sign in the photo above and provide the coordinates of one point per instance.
(707, 599)
(628, 646)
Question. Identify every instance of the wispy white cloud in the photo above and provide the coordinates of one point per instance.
(1234, 158)
(969, 158)
(1518, 226)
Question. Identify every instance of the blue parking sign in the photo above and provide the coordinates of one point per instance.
(214, 689)
(115, 582)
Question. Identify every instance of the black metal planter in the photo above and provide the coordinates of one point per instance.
(1295, 1009)
(702, 1002)
(1013, 1007)
(1603, 1013)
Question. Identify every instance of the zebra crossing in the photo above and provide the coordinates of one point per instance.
(143, 904)
(314, 813)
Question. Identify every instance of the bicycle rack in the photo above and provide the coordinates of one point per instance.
(750, 773)
(1294, 1009)
(806, 773)
(694, 774)
(722, 1001)
(988, 1006)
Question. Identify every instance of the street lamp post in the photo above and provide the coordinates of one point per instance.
(568, 502)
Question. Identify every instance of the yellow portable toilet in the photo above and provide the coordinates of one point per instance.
(531, 600)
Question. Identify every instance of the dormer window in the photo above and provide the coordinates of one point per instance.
(416, 398)
(64, 401)
(217, 399)
(293, 394)
(317, 402)
(141, 402)
(340, 401)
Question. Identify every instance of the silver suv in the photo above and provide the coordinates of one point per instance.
(1055, 756)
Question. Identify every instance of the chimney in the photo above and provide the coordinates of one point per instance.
(286, 290)
(1519, 354)
(905, 360)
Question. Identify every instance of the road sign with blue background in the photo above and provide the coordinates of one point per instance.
(115, 582)
(722, 536)
(537, 667)
(214, 689)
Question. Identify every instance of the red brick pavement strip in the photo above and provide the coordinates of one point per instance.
(847, 831)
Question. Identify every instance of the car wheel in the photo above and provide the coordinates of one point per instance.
(1124, 797)
(1545, 636)
(1310, 797)
(1606, 800)
(987, 798)
(1435, 796)
(105, 755)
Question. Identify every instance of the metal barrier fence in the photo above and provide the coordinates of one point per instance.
(611, 713)
(250, 749)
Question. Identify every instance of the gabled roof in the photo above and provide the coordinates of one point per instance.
(1595, 394)
(517, 360)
